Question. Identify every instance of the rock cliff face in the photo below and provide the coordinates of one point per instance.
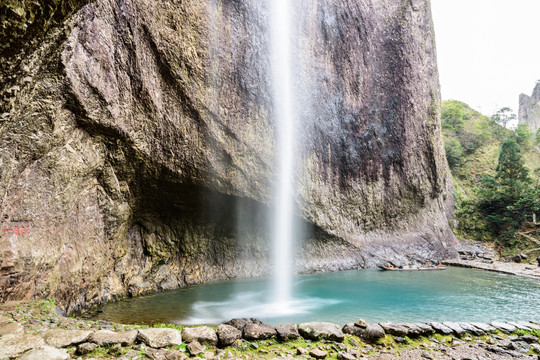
(137, 143)
(529, 108)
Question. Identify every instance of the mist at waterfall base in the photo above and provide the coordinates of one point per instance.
(414, 296)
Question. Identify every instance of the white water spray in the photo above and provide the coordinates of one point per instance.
(281, 11)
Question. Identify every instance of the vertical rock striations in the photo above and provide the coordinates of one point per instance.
(529, 108)
(137, 143)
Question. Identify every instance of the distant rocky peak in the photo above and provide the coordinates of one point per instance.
(529, 108)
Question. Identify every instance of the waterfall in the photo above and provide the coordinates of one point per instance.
(280, 58)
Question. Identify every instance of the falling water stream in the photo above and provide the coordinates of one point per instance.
(283, 111)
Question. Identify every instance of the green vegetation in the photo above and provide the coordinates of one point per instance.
(507, 197)
(496, 176)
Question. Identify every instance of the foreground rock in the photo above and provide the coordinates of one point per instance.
(318, 354)
(202, 334)
(371, 333)
(14, 345)
(394, 329)
(46, 353)
(195, 348)
(108, 337)
(440, 328)
(228, 334)
(10, 328)
(159, 338)
(61, 338)
(258, 332)
(321, 331)
(85, 348)
(504, 327)
(287, 332)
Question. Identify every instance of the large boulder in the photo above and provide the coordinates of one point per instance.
(160, 337)
(46, 352)
(456, 328)
(14, 345)
(440, 328)
(320, 331)
(395, 329)
(227, 334)
(61, 338)
(10, 328)
(108, 337)
(504, 327)
(258, 331)
(202, 334)
(286, 332)
(370, 333)
(241, 323)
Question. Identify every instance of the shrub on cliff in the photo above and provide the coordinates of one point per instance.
(524, 135)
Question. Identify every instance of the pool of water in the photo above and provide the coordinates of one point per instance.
(454, 294)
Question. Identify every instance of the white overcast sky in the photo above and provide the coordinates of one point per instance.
(488, 50)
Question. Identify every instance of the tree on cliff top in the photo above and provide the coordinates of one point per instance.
(503, 116)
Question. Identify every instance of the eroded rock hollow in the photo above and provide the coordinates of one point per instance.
(137, 142)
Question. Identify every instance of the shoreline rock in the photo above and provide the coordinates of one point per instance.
(45, 336)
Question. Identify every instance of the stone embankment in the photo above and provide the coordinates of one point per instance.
(33, 330)
(526, 270)
(475, 255)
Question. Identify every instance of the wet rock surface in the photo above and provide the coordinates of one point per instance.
(145, 129)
